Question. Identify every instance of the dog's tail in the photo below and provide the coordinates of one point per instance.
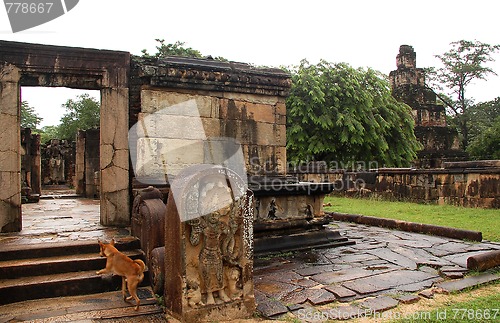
(142, 266)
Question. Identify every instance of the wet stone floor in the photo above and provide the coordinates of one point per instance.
(61, 219)
(382, 269)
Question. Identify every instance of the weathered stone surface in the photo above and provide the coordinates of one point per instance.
(365, 287)
(379, 304)
(428, 293)
(166, 102)
(394, 258)
(460, 259)
(10, 143)
(323, 297)
(269, 307)
(408, 299)
(314, 270)
(339, 291)
(328, 278)
(419, 256)
(468, 282)
(394, 279)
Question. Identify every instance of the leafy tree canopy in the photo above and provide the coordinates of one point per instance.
(484, 120)
(29, 117)
(337, 113)
(465, 62)
(176, 49)
(81, 114)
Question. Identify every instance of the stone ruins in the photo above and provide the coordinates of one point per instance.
(408, 85)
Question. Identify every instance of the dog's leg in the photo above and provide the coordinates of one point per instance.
(124, 292)
(132, 289)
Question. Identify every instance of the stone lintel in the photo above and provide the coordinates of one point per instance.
(212, 75)
(47, 65)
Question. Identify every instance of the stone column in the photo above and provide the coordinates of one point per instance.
(10, 144)
(114, 157)
(79, 180)
(36, 170)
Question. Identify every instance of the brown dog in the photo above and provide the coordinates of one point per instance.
(132, 271)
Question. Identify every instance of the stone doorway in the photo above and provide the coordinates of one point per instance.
(53, 66)
(55, 165)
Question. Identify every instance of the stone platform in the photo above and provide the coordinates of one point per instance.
(384, 268)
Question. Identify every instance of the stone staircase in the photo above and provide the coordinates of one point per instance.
(47, 270)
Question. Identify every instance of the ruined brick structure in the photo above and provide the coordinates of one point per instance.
(440, 143)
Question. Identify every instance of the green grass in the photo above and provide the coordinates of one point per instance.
(481, 309)
(486, 221)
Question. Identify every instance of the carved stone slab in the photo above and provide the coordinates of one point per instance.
(209, 247)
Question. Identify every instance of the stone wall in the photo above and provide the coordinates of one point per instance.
(185, 107)
(468, 184)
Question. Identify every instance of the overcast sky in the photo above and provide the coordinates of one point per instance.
(362, 33)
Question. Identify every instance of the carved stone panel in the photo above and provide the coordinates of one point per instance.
(209, 247)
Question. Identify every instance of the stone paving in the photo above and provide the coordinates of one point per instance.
(384, 267)
(60, 220)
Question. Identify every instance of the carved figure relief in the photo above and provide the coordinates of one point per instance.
(218, 259)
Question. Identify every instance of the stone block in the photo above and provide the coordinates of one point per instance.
(254, 98)
(160, 156)
(340, 291)
(280, 108)
(408, 299)
(379, 304)
(171, 126)
(240, 110)
(211, 127)
(468, 282)
(174, 103)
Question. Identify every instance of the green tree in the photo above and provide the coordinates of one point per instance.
(29, 117)
(49, 132)
(176, 49)
(484, 132)
(339, 114)
(81, 114)
(487, 144)
(464, 63)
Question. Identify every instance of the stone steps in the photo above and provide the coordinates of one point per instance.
(29, 272)
(83, 308)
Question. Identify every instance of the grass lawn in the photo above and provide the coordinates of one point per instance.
(486, 221)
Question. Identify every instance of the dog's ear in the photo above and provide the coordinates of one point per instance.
(100, 243)
(112, 242)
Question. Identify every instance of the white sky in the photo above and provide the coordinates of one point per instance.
(360, 32)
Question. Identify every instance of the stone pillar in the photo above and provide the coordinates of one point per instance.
(114, 157)
(79, 180)
(36, 167)
(92, 162)
(10, 144)
(209, 248)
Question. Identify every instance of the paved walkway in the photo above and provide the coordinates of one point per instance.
(384, 267)
(60, 220)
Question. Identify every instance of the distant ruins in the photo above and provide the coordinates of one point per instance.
(408, 85)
